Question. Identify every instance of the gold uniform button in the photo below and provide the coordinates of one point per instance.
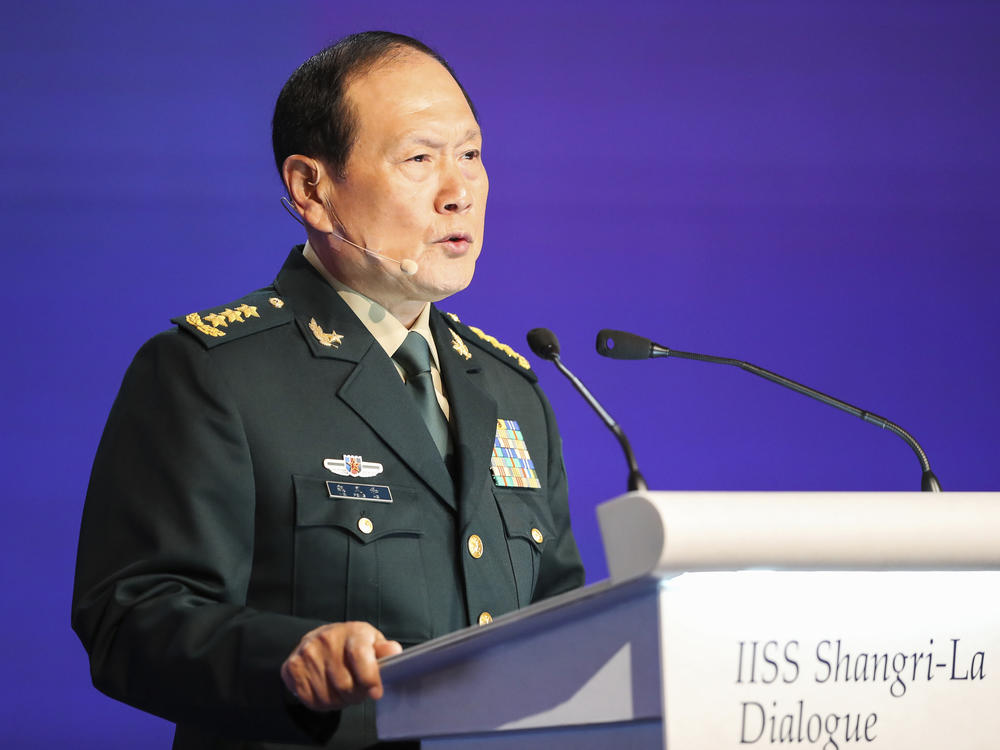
(366, 526)
(485, 618)
(475, 546)
(537, 536)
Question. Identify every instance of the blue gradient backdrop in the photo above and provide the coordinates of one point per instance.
(812, 187)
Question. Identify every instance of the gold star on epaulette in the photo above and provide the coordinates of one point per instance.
(195, 320)
(326, 339)
(212, 323)
(217, 319)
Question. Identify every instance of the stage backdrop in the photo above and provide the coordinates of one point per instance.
(808, 186)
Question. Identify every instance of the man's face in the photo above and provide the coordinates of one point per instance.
(415, 185)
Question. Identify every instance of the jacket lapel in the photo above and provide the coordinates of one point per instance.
(473, 410)
(376, 393)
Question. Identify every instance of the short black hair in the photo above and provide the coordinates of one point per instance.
(312, 115)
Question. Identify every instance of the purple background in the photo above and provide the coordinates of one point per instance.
(808, 186)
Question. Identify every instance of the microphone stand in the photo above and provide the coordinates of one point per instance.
(636, 482)
(928, 482)
(624, 345)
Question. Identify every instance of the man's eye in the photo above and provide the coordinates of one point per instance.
(471, 155)
(419, 158)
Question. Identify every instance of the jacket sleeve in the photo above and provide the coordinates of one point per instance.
(165, 553)
(561, 569)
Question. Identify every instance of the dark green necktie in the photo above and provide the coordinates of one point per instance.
(414, 356)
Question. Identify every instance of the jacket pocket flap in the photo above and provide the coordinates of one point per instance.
(365, 519)
(522, 517)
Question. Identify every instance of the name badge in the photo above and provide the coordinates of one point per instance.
(376, 493)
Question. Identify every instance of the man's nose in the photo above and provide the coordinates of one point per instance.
(454, 196)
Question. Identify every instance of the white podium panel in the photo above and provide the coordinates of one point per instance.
(879, 660)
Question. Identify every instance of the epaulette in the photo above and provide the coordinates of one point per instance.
(490, 344)
(256, 312)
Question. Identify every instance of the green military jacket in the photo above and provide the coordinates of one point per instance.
(264, 471)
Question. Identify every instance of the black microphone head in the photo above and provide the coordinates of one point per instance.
(543, 343)
(623, 345)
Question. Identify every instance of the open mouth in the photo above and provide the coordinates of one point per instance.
(458, 242)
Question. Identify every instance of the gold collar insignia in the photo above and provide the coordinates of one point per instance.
(459, 346)
(326, 339)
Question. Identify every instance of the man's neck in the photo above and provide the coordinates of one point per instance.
(404, 310)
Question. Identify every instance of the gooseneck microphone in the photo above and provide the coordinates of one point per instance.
(623, 345)
(407, 266)
(545, 344)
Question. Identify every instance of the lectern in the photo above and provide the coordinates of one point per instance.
(737, 620)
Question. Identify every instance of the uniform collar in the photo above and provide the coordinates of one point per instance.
(384, 327)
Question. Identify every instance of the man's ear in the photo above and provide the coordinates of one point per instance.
(302, 176)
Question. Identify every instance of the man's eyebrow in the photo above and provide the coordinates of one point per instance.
(424, 140)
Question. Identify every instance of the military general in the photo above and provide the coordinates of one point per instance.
(299, 482)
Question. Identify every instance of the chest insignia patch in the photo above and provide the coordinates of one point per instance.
(511, 464)
(326, 339)
(352, 466)
(459, 346)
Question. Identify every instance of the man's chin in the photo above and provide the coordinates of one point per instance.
(442, 286)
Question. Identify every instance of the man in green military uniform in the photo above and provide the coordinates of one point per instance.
(298, 483)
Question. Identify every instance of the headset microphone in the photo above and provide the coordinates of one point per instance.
(407, 266)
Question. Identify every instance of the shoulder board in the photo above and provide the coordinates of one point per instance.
(256, 312)
(490, 344)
